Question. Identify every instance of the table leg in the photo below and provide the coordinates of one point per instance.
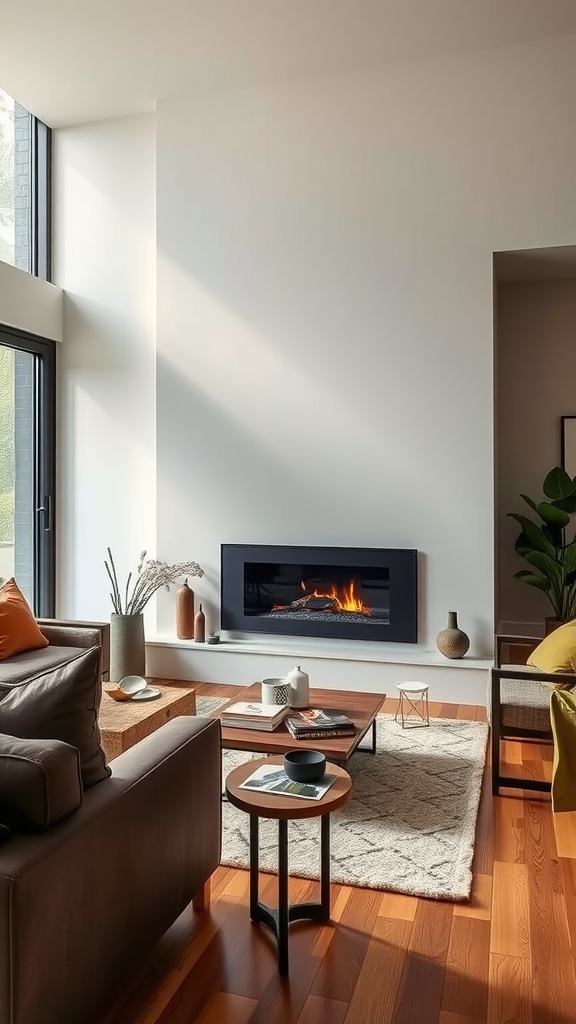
(283, 896)
(325, 866)
(279, 920)
(254, 853)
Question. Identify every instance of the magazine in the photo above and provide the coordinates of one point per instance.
(324, 734)
(271, 778)
(316, 721)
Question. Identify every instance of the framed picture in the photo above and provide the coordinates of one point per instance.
(568, 444)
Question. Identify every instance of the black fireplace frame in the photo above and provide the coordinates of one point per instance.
(402, 564)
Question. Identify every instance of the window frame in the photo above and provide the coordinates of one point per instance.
(44, 468)
(40, 199)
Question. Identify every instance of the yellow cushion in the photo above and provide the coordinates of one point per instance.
(19, 630)
(557, 652)
(563, 717)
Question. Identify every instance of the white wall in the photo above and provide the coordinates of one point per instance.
(324, 336)
(30, 304)
(105, 258)
(325, 308)
(536, 359)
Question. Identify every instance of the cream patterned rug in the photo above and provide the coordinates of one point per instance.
(409, 825)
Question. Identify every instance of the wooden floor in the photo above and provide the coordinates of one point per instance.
(507, 957)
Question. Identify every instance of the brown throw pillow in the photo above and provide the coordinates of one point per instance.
(19, 630)
(61, 703)
(39, 782)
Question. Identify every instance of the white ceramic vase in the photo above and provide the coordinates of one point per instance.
(299, 692)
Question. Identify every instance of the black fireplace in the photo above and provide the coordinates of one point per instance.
(347, 593)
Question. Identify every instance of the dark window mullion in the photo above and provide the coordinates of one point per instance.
(41, 196)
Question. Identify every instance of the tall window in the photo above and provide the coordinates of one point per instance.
(27, 429)
(25, 183)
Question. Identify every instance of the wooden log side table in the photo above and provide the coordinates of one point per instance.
(124, 723)
(284, 809)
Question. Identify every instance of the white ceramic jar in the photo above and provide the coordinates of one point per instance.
(275, 690)
(299, 692)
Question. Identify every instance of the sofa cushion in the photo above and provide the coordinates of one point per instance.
(40, 782)
(30, 663)
(524, 705)
(60, 703)
(19, 630)
(556, 652)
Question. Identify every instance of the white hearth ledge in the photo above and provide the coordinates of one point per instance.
(341, 665)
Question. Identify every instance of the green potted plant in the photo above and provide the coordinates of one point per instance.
(547, 546)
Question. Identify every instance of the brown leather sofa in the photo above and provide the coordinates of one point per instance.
(83, 901)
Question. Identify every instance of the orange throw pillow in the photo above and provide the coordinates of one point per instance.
(19, 630)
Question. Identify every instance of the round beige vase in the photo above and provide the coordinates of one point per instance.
(452, 642)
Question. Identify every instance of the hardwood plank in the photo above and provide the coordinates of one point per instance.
(568, 875)
(511, 752)
(553, 986)
(484, 846)
(480, 900)
(342, 964)
(565, 832)
(283, 999)
(467, 967)
(420, 992)
(509, 931)
(339, 899)
(372, 1002)
(509, 831)
(509, 995)
(229, 1008)
(317, 1010)
(458, 1018)
(449, 711)
(398, 906)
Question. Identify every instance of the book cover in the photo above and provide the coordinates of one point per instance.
(316, 720)
(255, 710)
(273, 779)
(325, 734)
(259, 725)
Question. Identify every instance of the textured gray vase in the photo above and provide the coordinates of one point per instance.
(452, 642)
(127, 646)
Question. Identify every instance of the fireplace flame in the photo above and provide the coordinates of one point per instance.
(344, 598)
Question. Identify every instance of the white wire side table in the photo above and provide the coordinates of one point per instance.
(412, 705)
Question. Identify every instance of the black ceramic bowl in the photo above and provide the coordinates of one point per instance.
(304, 765)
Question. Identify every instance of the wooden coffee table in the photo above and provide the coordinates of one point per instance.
(124, 723)
(362, 708)
(284, 809)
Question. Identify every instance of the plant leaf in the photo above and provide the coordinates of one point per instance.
(532, 579)
(529, 501)
(552, 514)
(558, 484)
(570, 557)
(533, 535)
(547, 566)
(566, 504)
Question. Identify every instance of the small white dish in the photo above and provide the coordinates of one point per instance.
(132, 685)
(148, 693)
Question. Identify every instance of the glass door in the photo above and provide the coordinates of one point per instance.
(27, 459)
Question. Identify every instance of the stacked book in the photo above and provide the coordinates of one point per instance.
(316, 723)
(253, 715)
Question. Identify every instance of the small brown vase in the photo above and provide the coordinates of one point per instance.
(185, 612)
(452, 642)
(200, 626)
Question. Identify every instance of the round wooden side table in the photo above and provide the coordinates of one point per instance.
(284, 809)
